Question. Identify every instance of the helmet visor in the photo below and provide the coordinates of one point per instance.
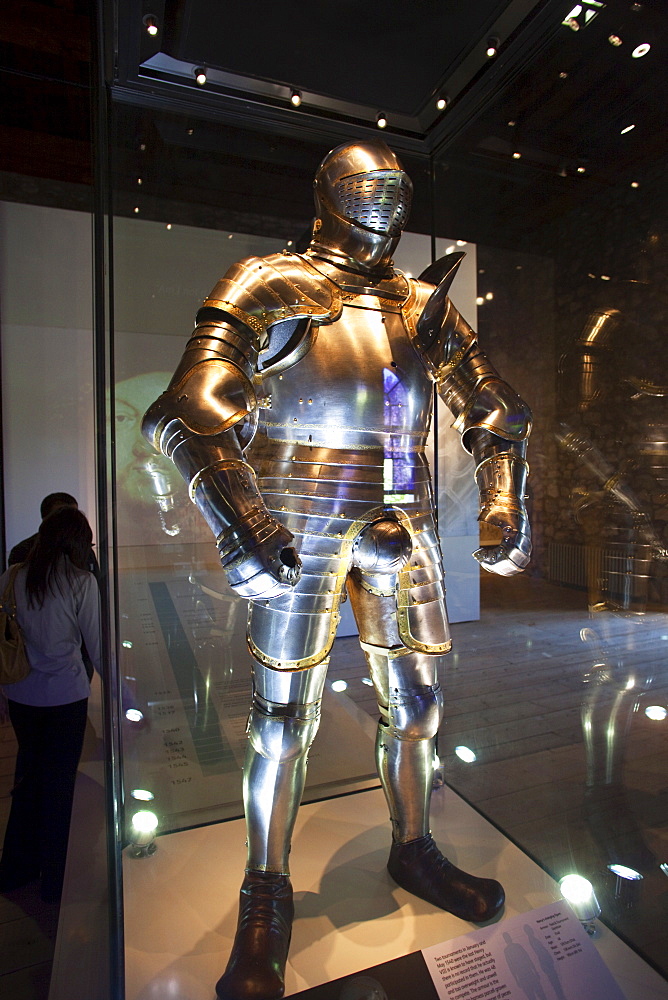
(378, 200)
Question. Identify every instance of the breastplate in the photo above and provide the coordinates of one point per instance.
(361, 385)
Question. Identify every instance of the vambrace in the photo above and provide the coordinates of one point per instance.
(493, 420)
(202, 422)
(478, 397)
(466, 380)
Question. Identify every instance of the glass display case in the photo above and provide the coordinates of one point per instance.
(552, 750)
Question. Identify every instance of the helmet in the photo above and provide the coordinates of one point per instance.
(362, 200)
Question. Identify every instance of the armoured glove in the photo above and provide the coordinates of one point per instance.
(255, 549)
(501, 479)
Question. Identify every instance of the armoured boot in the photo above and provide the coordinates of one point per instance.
(420, 868)
(256, 968)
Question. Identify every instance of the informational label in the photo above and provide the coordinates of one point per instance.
(542, 955)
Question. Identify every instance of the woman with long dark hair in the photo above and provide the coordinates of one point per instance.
(57, 605)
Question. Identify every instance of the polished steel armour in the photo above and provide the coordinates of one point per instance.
(299, 417)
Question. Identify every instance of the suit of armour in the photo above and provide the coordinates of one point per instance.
(299, 417)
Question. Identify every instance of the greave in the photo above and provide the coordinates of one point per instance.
(272, 793)
(406, 768)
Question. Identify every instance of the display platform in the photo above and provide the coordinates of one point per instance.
(181, 903)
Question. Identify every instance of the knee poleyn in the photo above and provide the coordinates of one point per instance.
(415, 715)
(281, 737)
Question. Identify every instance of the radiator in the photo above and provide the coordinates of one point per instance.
(574, 565)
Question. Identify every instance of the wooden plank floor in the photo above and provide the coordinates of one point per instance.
(27, 925)
(517, 687)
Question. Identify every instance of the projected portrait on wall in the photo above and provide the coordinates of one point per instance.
(152, 501)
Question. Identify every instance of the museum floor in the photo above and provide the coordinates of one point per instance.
(569, 771)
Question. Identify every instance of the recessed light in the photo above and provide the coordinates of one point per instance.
(142, 794)
(150, 23)
(295, 98)
(581, 170)
(627, 129)
(634, 184)
(200, 75)
(441, 103)
(623, 871)
(641, 50)
(492, 47)
(516, 156)
(381, 120)
(615, 40)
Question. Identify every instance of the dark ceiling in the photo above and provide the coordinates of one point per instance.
(236, 149)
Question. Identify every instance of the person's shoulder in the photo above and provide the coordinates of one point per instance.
(20, 551)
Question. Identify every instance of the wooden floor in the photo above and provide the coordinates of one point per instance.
(568, 766)
(28, 926)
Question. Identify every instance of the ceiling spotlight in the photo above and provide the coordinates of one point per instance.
(641, 50)
(200, 75)
(516, 155)
(441, 103)
(581, 170)
(615, 40)
(656, 712)
(381, 120)
(582, 14)
(512, 123)
(563, 75)
(492, 47)
(634, 184)
(466, 754)
(295, 98)
(150, 23)
(627, 129)
(339, 686)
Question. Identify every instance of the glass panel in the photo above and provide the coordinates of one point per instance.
(555, 692)
(49, 445)
(182, 645)
(555, 719)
